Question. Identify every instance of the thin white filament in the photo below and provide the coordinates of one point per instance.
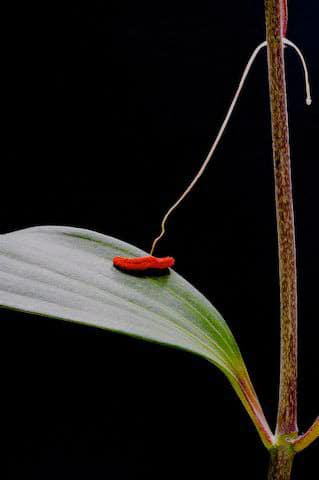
(213, 148)
(308, 91)
(224, 125)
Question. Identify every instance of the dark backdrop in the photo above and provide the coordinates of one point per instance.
(109, 108)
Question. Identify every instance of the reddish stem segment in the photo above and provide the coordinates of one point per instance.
(284, 17)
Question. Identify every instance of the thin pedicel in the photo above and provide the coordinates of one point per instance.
(150, 263)
(223, 127)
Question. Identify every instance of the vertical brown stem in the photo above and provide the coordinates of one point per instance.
(281, 461)
(286, 420)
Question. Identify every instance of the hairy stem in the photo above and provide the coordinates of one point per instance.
(286, 420)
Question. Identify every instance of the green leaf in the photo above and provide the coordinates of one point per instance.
(67, 273)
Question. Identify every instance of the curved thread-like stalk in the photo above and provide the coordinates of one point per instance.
(213, 148)
(223, 127)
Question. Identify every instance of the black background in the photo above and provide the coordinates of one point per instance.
(109, 108)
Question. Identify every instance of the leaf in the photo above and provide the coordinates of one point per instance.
(67, 273)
